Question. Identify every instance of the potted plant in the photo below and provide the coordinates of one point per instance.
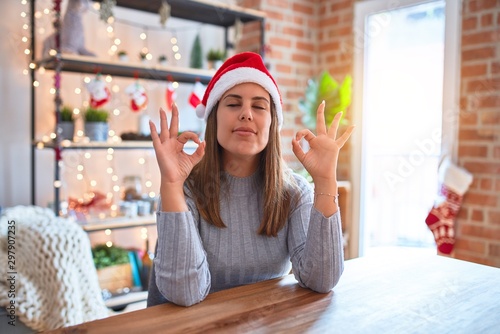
(162, 60)
(96, 124)
(66, 126)
(143, 56)
(336, 96)
(114, 271)
(215, 58)
(122, 55)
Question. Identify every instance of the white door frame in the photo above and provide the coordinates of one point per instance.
(451, 94)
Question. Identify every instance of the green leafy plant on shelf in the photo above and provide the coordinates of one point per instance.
(105, 256)
(337, 97)
(214, 55)
(67, 114)
(93, 115)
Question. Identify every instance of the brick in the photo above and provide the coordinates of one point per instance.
(474, 70)
(280, 41)
(468, 118)
(496, 154)
(471, 245)
(293, 31)
(477, 151)
(480, 198)
(480, 231)
(481, 167)
(341, 5)
(307, 46)
(471, 258)
(490, 117)
(330, 21)
(494, 249)
(303, 58)
(301, 8)
(491, 101)
(473, 135)
(486, 184)
(495, 66)
(469, 23)
(477, 216)
(284, 68)
(274, 15)
(494, 218)
(277, 3)
(490, 85)
(330, 46)
(481, 37)
(479, 5)
(478, 53)
(487, 20)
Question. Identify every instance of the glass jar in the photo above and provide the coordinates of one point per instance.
(132, 188)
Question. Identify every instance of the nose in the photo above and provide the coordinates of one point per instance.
(246, 113)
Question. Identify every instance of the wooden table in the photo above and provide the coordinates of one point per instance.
(410, 294)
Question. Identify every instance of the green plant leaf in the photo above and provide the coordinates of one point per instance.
(337, 98)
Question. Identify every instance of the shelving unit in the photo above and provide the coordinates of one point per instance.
(203, 11)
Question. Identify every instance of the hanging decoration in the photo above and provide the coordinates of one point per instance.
(196, 94)
(164, 13)
(99, 92)
(106, 10)
(170, 94)
(455, 182)
(138, 97)
(238, 31)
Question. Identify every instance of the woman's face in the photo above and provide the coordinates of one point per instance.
(244, 120)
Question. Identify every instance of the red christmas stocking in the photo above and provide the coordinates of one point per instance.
(454, 183)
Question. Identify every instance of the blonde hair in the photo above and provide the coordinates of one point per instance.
(205, 180)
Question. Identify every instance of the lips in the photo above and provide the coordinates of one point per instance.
(244, 130)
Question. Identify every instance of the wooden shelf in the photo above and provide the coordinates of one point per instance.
(85, 64)
(121, 301)
(119, 223)
(204, 11)
(190, 146)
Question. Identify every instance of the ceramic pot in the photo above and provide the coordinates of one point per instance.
(97, 131)
(67, 130)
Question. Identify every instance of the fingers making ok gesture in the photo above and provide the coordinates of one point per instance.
(175, 164)
(324, 147)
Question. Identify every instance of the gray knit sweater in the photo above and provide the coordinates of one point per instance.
(194, 258)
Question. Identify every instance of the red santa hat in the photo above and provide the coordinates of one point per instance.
(241, 68)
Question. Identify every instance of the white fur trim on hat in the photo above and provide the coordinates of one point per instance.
(238, 76)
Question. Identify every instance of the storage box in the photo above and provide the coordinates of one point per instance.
(115, 278)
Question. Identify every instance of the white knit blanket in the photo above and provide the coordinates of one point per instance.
(56, 282)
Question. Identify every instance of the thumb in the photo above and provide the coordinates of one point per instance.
(297, 150)
(198, 154)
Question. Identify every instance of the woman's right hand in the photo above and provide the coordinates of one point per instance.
(175, 164)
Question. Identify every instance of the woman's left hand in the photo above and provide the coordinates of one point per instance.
(324, 147)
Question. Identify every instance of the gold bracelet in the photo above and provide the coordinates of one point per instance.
(335, 197)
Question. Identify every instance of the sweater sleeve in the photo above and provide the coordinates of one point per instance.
(181, 267)
(315, 244)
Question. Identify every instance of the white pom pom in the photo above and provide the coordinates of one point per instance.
(200, 110)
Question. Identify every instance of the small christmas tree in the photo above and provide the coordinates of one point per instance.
(196, 53)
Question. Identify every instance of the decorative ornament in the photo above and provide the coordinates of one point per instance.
(98, 202)
(196, 54)
(171, 95)
(106, 10)
(138, 97)
(164, 13)
(196, 94)
(455, 182)
(99, 92)
(238, 30)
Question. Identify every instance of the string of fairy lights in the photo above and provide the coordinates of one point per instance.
(43, 18)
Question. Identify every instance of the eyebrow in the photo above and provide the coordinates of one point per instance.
(258, 98)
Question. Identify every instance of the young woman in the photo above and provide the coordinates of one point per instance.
(232, 213)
